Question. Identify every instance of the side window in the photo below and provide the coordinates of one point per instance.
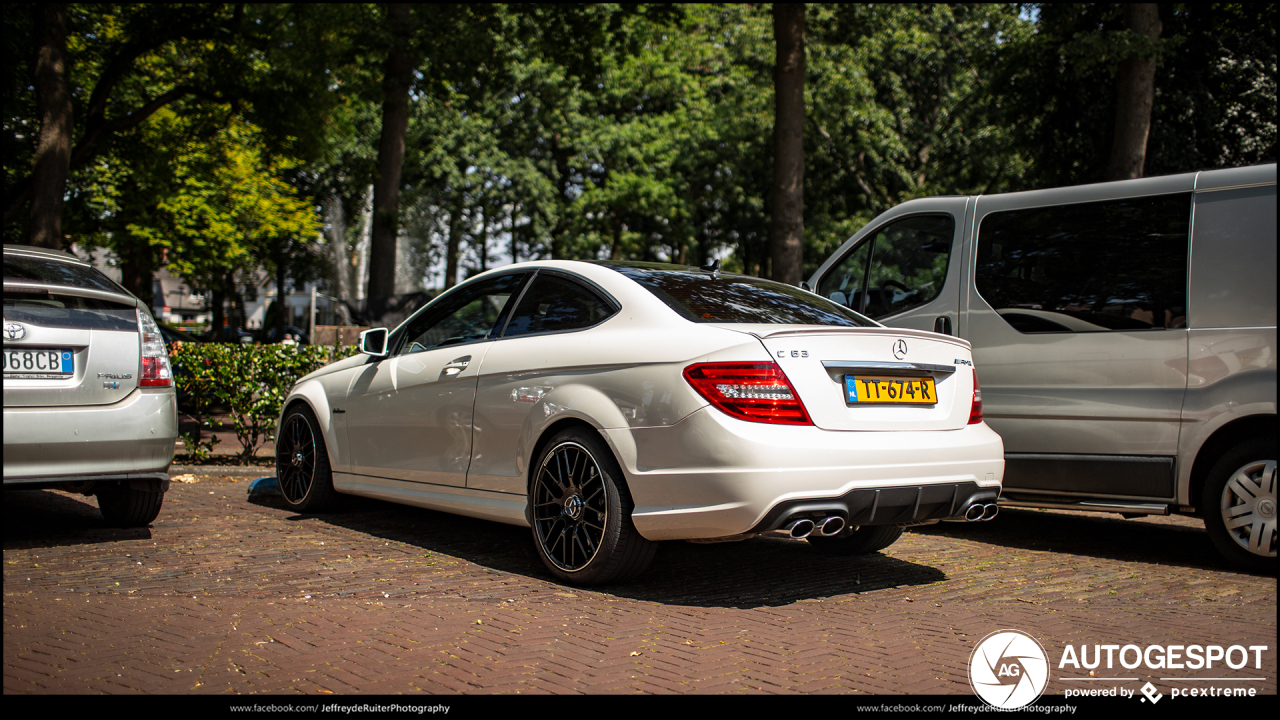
(471, 314)
(1090, 267)
(907, 267)
(554, 304)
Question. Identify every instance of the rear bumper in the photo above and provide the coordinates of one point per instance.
(133, 438)
(711, 476)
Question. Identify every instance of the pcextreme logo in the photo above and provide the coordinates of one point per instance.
(1009, 669)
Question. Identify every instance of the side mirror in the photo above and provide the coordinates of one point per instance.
(374, 342)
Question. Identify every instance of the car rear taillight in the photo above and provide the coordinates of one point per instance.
(975, 410)
(759, 392)
(155, 371)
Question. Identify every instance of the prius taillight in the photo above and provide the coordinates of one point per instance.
(758, 392)
(154, 370)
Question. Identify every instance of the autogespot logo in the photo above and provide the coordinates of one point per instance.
(1009, 669)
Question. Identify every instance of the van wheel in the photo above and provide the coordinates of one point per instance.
(302, 462)
(1239, 504)
(125, 506)
(581, 512)
(857, 541)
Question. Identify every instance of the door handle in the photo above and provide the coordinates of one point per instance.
(942, 324)
(457, 365)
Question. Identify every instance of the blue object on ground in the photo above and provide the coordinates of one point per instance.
(264, 487)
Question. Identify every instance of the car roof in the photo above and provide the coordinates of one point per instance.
(44, 253)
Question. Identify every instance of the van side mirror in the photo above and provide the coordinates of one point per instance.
(374, 342)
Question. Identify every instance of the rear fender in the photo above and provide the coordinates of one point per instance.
(574, 402)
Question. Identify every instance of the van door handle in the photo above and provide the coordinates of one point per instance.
(942, 324)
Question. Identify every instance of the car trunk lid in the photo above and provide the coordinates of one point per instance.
(900, 379)
(67, 346)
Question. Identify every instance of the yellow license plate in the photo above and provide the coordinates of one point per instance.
(863, 389)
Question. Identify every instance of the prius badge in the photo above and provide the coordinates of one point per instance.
(900, 349)
(14, 331)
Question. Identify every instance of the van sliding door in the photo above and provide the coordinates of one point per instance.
(1078, 316)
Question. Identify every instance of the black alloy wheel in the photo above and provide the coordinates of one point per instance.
(302, 462)
(582, 512)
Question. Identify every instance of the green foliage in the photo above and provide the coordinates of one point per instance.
(640, 131)
(250, 381)
(1215, 89)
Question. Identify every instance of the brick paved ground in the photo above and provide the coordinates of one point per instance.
(223, 595)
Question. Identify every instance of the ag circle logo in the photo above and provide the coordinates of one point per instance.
(1009, 669)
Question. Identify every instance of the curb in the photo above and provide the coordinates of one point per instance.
(236, 470)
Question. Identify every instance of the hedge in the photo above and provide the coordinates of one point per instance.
(249, 382)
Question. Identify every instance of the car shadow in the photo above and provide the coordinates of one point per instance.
(763, 572)
(1091, 535)
(49, 518)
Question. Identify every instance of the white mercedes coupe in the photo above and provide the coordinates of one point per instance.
(609, 406)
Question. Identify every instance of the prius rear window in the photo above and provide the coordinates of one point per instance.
(55, 310)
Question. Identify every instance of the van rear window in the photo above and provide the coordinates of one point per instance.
(702, 297)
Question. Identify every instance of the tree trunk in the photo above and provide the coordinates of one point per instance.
(137, 267)
(561, 156)
(454, 242)
(397, 77)
(483, 247)
(787, 231)
(1135, 93)
(335, 221)
(282, 304)
(218, 314)
(53, 149)
(616, 226)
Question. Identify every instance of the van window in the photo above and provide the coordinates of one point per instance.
(1088, 267)
(906, 268)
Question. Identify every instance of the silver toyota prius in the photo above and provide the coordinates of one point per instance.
(609, 406)
(88, 392)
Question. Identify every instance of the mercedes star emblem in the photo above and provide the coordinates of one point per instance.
(900, 349)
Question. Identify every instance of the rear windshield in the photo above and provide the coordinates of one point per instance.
(17, 267)
(702, 297)
(53, 310)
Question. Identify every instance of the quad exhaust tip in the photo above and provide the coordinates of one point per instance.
(804, 527)
(981, 512)
(831, 526)
(799, 528)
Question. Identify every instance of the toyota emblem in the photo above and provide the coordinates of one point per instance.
(900, 349)
(14, 331)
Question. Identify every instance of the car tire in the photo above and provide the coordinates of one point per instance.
(302, 463)
(581, 512)
(857, 541)
(126, 506)
(1239, 504)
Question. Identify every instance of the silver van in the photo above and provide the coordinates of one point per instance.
(1124, 335)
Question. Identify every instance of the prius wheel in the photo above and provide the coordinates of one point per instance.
(125, 504)
(857, 541)
(302, 462)
(1239, 505)
(582, 512)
